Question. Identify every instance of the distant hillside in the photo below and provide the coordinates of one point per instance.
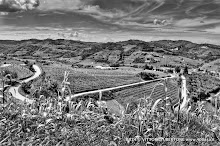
(127, 52)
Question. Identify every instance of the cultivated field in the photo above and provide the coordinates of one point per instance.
(156, 90)
(11, 61)
(91, 79)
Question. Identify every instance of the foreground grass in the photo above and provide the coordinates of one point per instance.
(89, 124)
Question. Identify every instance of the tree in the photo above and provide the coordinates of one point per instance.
(31, 68)
(26, 87)
(139, 60)
(170, 71)
(177, 69)
(146, 66)
(14, 75)
(26, 62)
(9, 75)
(115, 65)
(185, 71)
(147, 76)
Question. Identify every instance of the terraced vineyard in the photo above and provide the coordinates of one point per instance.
(133, 94)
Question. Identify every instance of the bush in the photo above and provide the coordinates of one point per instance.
(26, 87)
(185, 71)
(139, 60)
(177, 69)
(30, 67)
(146, 66)
(26, 62)
(135, 66)
(14, 75)
(170, 71)
(88, 66)
(147, 76)
(115, 65)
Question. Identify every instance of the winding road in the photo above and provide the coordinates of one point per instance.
(14, 89)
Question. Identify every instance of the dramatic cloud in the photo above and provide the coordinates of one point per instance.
(18, 5)
(65, 5)
(109, 16)
(141, 12)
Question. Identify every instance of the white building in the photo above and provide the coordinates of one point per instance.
(105, 68)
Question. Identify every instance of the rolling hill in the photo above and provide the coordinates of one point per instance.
(125, 53)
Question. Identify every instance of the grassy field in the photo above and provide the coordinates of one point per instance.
(212, 66)
(11, 61)
(21, 71)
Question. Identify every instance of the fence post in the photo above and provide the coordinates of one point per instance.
(100, 95)
(184, 96)
(216, 105)
(3, 86)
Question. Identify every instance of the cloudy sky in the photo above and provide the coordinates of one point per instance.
(111, 20)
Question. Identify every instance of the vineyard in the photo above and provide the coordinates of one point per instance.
(135, 93)
(91, 79)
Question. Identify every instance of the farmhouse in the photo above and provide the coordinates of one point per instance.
(105, 68)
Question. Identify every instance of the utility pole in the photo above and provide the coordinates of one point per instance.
(3, 87)
(3, 92)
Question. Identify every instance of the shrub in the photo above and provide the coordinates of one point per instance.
(135, 66)
(115, 65)
(88, 66)
(170, 71)
(14, 75)
(139, 60)
(30, 67)
(26, 62)
(147, 76)
(26, 87)
(177, 69)
(146, 66)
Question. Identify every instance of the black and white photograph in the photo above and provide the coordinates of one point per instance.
(109, 72)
